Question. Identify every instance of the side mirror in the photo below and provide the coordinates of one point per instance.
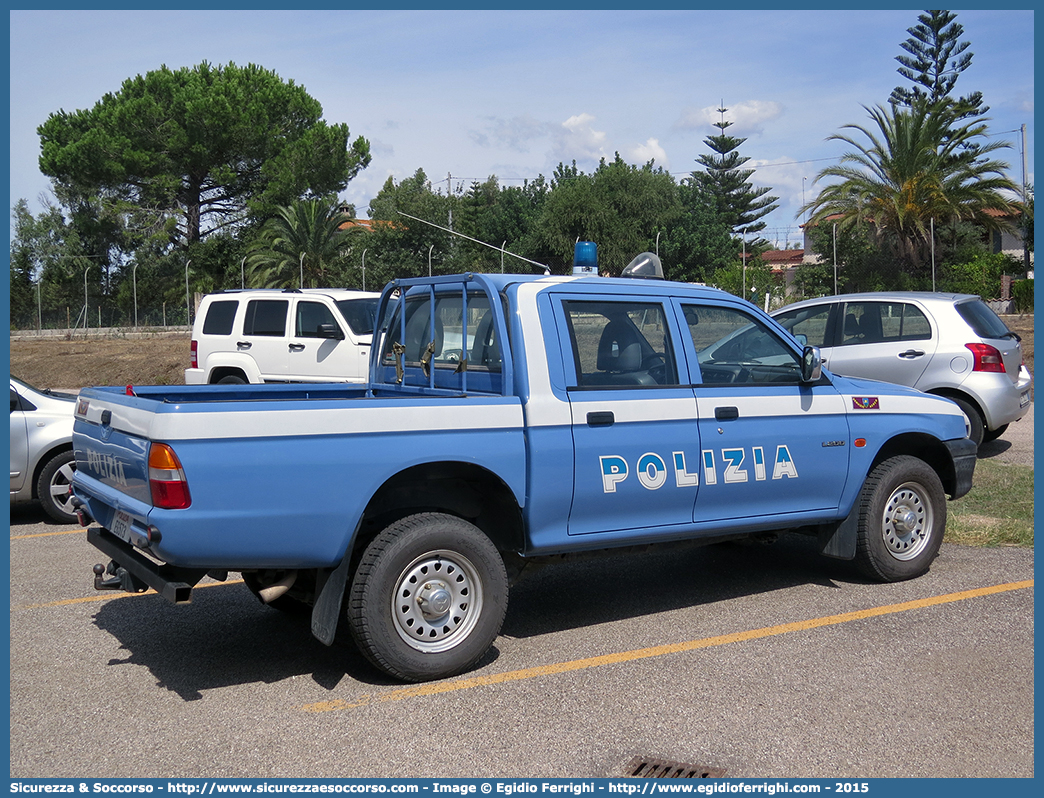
(811, 364)
(801, 338)
(331, 331)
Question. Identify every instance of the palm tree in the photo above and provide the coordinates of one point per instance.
(298, 247)
(916, 169)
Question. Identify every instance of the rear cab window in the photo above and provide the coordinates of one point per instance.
(454, 342)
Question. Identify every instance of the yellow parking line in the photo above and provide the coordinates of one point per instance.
(110, 597)
(436, 688)
(48, 534)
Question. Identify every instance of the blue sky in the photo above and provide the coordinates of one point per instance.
(513, 93)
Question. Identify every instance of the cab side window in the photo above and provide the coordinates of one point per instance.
(310, 316)
(880, 322)
(733, 348)
(266, 317)
(620, 344)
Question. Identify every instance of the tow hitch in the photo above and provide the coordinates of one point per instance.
(118, 579)
(131, 571)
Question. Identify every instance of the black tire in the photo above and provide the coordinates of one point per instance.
(902, 519)
(993, 434)
(428, 597)
(978, 425)
(232, 379)
(52, 487)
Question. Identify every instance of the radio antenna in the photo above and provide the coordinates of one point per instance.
(501, 250)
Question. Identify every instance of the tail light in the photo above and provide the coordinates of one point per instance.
(167, 481)
(194, 355)
(987, 358)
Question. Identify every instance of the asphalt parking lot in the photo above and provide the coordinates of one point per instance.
(767, 661)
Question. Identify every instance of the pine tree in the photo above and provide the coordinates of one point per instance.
(936, 58)
(737, 203)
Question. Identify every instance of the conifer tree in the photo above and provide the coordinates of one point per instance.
(935, 59)
(737, 203)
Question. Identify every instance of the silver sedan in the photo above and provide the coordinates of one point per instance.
(42, 462)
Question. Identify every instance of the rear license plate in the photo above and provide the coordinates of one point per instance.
(121, 526)
(1024, 399)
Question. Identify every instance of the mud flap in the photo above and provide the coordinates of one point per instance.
(329, 594)
(839, 540)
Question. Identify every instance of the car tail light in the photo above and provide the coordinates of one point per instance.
(194, 355)
(170, 489)
(987, 358)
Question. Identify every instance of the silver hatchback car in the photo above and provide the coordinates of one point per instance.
(952, 345)
(42, 461)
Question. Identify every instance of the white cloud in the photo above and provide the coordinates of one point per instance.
(577, 140)
(747, 118)
(649, 151)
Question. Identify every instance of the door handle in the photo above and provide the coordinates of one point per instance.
(604, 418)
(297, 347)
(910, 354)
(242, 344)
(726, 413)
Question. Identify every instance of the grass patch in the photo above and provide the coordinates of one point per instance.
(999, 509)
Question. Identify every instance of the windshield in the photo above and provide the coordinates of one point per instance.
(359, 314)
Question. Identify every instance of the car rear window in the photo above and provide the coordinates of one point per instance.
(983, 321)
(220, 316)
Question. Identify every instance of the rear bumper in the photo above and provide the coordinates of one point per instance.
(170, 581)
(963, 452)
(1002, 401)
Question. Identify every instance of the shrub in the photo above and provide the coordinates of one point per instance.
(1022, 293)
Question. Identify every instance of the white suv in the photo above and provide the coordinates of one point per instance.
(268, 335)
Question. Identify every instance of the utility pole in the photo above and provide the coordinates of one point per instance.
(1025, 206)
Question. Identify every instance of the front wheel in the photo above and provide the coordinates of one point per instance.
(902, 518)
(428, 597)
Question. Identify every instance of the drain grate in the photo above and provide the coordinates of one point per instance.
(643, 767)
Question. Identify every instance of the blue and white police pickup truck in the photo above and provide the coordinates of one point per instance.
(509, 420)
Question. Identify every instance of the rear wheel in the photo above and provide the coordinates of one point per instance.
(232, 379)
(978, 426)
(53, 484)
(428, 597)
(993, 434)
(902, 518)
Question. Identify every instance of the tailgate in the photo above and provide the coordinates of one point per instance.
(111, 461)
